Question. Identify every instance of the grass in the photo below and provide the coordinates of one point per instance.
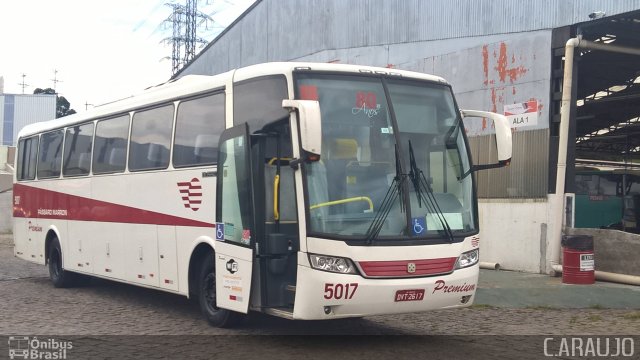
(573, 320)
(596, 307)
(595, 318)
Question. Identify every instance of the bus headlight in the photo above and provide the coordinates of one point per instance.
(332, 264)
(467, 259)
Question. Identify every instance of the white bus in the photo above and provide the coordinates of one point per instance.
(302, 190)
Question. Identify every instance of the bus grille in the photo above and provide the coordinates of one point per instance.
(407, 268)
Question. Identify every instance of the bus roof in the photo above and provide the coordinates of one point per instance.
(195, 84)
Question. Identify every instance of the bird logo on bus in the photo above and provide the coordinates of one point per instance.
(191, 192)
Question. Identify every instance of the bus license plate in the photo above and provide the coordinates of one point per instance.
(410, 295)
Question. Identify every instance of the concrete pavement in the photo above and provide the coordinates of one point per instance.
(512, 289)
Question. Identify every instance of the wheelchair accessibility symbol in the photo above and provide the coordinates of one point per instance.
(220, 231)
(419, 225)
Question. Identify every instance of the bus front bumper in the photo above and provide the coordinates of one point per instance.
(325, 295)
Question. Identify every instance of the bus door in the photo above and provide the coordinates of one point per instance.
(278, 221)
(235, 225)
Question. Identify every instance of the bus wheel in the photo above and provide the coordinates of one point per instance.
(59, 277)
(207, 297)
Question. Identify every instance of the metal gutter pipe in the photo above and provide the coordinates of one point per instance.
(553, 255)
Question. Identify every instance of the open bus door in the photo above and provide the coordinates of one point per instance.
(234, 220)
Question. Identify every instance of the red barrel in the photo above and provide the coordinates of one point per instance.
(578, 261)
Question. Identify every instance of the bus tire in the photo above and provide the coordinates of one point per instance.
(207, 297)
(60, 278)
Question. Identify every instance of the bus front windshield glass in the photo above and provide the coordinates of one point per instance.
(394, 163)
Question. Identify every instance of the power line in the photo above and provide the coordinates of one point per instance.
(185, 21)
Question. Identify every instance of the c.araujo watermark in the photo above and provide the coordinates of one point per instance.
(25, 347)
(582, 346)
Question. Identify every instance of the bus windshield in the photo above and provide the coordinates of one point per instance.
(376, 132)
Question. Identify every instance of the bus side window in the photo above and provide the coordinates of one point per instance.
(77, 150)
(27, 158)
(199, 124)
(50, 154)
(151, 139)
(110, 149)
(258, 102)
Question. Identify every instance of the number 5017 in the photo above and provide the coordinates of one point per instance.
(340, 291)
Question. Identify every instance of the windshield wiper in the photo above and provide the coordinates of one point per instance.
(424, 192)
(393, 193)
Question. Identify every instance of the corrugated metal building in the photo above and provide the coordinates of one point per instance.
(493, 52)
(17, 111)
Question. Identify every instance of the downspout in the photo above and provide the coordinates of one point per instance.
(553, 258)
(565, 111)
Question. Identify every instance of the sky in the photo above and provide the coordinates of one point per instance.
(102, 50)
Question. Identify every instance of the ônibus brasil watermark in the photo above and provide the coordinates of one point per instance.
(25, 347)
(604, 346)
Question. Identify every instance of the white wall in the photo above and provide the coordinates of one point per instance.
(6, 212)
(514, 233)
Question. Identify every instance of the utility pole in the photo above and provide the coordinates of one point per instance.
(23, 84)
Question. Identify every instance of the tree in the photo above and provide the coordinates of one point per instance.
(63, 107)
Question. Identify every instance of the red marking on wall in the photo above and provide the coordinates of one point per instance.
(485, 63)
(494, 107)
(513, 91)
(390, 66)
(191, 192)
(504, 71)
(539, 104)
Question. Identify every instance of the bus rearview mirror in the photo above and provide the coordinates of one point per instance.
(309, 123)
(503, 137)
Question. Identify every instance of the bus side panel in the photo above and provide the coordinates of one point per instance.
(29, 231)
(141, 257)
(108, 237)
(60, 228)
(20, 229)
(43, 201)
(80, 246)
(79, 239)
(108, 249)
(187, 239)
(167, 261)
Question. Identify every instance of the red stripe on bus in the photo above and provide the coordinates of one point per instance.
(32, 202)
(400, 268)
